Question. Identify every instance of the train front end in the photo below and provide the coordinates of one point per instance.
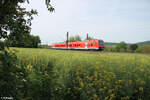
(101, 44)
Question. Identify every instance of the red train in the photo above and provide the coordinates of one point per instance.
(89, 44)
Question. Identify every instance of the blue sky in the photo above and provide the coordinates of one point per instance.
(110, 20)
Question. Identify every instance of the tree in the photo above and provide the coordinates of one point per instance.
(15, 24)
(89, 38)
(26, 40)
(15, 21)
(75, 38)
(121, 46)
(72, 39)
(35, 40)
(133, 47)
(12, 14)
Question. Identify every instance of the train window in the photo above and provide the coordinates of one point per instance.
(101, 42)
(88, 44)
(91, 44)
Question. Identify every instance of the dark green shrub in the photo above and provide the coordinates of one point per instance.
(11, 80)
(133, 47)
(122, 46)
(2, 45)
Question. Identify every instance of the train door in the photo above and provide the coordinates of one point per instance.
(85, 45)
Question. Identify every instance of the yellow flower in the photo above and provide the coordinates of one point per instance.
(142, 70)
(101, 89)
(110, 91)
(95, 97)
(127, 97)
(29, 67)
(141, 89)
(143, 83)
(107, 98)
(81, 84)
(120, 81)
(130, 82)
(112, 96)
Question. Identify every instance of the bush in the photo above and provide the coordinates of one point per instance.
(41, 83)
(2, 45)
(138, 50)
(11, 79)
(133, 47)
(129, 50)
(122, 46)
(23, 81)
(110, 49)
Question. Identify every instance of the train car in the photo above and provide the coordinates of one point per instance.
(89, 44)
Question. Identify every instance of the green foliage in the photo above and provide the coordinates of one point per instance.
(139, 50)
(34, 40)
(12, 18)
(122, 46)
(145, 49)
(89, 38)
(2, 45)
(11, 79)
(44, 46)
(41, 83)
(15, 20)
(133, 47)
(74, 38)
(21, 80)
(15, 24)
(29, 41)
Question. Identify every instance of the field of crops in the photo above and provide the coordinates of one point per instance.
(86, 76)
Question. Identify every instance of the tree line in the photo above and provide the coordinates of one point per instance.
(78, 38)
(123, 47)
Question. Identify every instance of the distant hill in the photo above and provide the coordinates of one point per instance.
(139, 43)
(110, 44)
(144, 43)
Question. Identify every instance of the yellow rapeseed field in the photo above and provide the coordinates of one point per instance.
(93, 76)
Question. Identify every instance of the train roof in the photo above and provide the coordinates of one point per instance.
(80, 41)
